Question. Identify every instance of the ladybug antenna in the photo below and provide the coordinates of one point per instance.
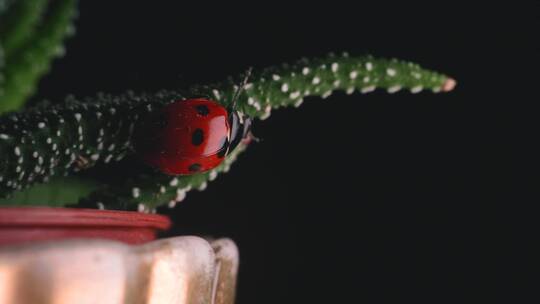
(240, 89)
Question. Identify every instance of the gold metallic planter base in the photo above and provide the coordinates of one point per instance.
(178, 270)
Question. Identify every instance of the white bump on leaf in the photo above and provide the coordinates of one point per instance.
(284, 88)
(41, 125)
(416, 89)
(316, 80)
(136, 192)
(305, 71)
(335, 67)
(202, 186)
(394, 89)
(276, 77)
(173, 182)
(180, 195)
(353, 74)
(391, 72)
(367, 89)
(78, 116)
(266, 114)
(294, 94)
(257, 106)
(369, 66)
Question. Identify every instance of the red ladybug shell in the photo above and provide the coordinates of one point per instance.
(188, 136)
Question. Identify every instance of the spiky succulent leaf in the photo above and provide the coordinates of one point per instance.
(52, 141)
(60, 191)
(20, 24)
(61, 139)
(288, 85)
(4, 6)
(30, 46)
(146, 192)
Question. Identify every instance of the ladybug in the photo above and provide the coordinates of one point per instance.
(190, 136)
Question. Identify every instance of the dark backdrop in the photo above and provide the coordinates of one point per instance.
(357, 199)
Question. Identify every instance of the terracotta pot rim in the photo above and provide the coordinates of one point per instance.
(78, 217)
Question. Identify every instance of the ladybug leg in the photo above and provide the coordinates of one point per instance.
(81, 163)
(250, 137)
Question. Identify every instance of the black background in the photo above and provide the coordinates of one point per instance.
(361, 199)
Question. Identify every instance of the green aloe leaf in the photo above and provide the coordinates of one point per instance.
(30, 40)
(58, 192)
(20, 24)
(42, 143)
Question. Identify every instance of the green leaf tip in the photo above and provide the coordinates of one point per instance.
(288, 85)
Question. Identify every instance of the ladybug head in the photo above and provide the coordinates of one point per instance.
(240, 124)
(240, 127)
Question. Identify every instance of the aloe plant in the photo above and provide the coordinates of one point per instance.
(44, 143)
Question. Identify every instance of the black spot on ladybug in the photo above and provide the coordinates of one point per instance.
(197, 137)
(202, 110)
(195, 167)
(223, 149)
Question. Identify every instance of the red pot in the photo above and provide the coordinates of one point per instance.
(29, 224)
